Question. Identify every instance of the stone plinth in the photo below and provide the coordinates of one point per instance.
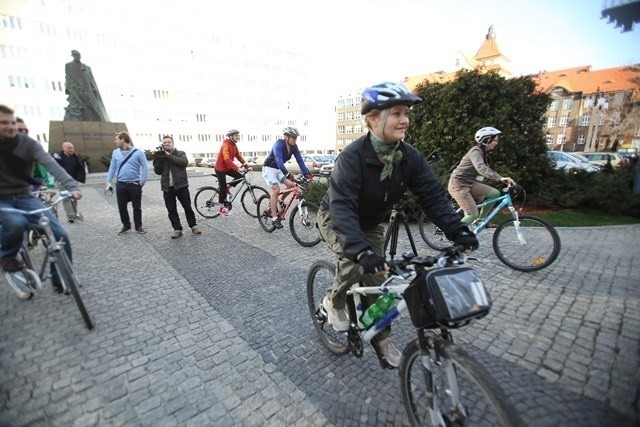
(93, 139)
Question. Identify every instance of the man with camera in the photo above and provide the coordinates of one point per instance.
(171, 165)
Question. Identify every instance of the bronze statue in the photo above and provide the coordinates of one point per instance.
(85, 102)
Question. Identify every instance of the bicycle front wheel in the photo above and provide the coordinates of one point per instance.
(531, 246)
(319, 282)
(431, 234)
(445, 385)
(206, 202)
(71, 284)
(264, 214)
(302, 224)
(249, 199)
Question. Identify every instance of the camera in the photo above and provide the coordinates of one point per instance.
(160, 151)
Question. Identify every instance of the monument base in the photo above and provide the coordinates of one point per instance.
(92, 139)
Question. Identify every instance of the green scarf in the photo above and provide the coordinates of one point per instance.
(390, 154)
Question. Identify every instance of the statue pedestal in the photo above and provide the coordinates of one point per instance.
(93, 139)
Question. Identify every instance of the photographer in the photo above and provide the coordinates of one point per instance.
(171, 164)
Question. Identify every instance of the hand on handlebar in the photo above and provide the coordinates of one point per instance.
(372, 263)
(466, 240)
(309, 177)
(76, 195)
(506, 180)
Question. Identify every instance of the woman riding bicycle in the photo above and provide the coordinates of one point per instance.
(370, 176)
(465, 183)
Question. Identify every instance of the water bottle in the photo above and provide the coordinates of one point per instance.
(383, 304)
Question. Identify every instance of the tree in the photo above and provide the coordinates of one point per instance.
(444, 125)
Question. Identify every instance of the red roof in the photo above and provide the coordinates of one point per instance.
(583, 79)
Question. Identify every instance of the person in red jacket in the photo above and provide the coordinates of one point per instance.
(225, 166)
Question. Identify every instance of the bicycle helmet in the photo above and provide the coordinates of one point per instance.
(233, 132)
(290, 131)
(484, 135)
(386, 95)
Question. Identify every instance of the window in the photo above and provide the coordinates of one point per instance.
(348, 129)
(584, 120)
(561, 139)
(588, 102)
(564, 120)
(551, 122)
(357, 129)
(348, 115)
(566, 104)
(581, 139)
(340, 117)
(357, 115)
(601, 120)
(549, 138)
(340, 130)
(553, 106)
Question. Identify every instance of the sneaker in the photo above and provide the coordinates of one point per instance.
(176, 234)
(11, 265)
(277, 223)
(224, 211)
(195, 230)
(387, 351)
(124, 230)
(337, 317)
(70, 220)
(141, 230)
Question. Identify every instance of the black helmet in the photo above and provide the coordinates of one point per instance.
(386, 95)
(484, 135)
(233, 132)
(291, 131)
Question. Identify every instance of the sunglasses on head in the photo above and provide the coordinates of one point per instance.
(24, 130)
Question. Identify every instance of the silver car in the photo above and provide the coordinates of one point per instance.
(572, 162)
(313, 162)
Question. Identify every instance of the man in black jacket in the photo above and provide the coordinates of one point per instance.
(171, 164)
(75, 167)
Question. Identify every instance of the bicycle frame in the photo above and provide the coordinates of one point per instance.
(505, 201)
(238, 190)
(386, 287)
(293, 194)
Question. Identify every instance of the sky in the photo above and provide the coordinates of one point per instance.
(360, 42)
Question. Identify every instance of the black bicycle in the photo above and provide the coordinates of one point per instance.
(207, 198)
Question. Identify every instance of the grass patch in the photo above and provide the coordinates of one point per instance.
(575, 218)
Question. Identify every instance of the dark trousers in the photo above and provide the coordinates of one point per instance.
(129, 192)
(222, 181)
(182, 195)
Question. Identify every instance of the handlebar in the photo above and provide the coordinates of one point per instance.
(448, 257)
(63, 196)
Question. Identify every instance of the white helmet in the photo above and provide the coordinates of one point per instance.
(484, 135)
(291, 131)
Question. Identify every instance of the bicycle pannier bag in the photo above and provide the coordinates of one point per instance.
(448, 297)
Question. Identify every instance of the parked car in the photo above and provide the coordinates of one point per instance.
(572, 162)
(208, 163)
(326, 169)
(313, 162)
(604, 158)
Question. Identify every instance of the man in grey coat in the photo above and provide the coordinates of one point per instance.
(171, 165)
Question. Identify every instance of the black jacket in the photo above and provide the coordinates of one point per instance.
(357, 200)
(176, 163)
(73, 164)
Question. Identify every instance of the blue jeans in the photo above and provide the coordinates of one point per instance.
(14, 225)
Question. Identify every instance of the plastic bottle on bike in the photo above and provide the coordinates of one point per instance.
(383, 304)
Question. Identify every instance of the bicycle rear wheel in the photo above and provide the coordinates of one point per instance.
(249, 199)
(206, 202)
(302, 224)
(452, 389)
(534, 246)
(70, 283)
(431, 234)
(264, 214)
(319, 281)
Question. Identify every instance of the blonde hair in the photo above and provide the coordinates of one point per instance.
(371, 114)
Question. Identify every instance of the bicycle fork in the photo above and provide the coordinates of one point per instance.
(516, 225)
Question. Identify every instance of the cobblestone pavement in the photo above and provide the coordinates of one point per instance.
(214, 330)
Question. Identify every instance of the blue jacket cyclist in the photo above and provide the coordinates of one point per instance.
(130, 168)
(275, 172)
